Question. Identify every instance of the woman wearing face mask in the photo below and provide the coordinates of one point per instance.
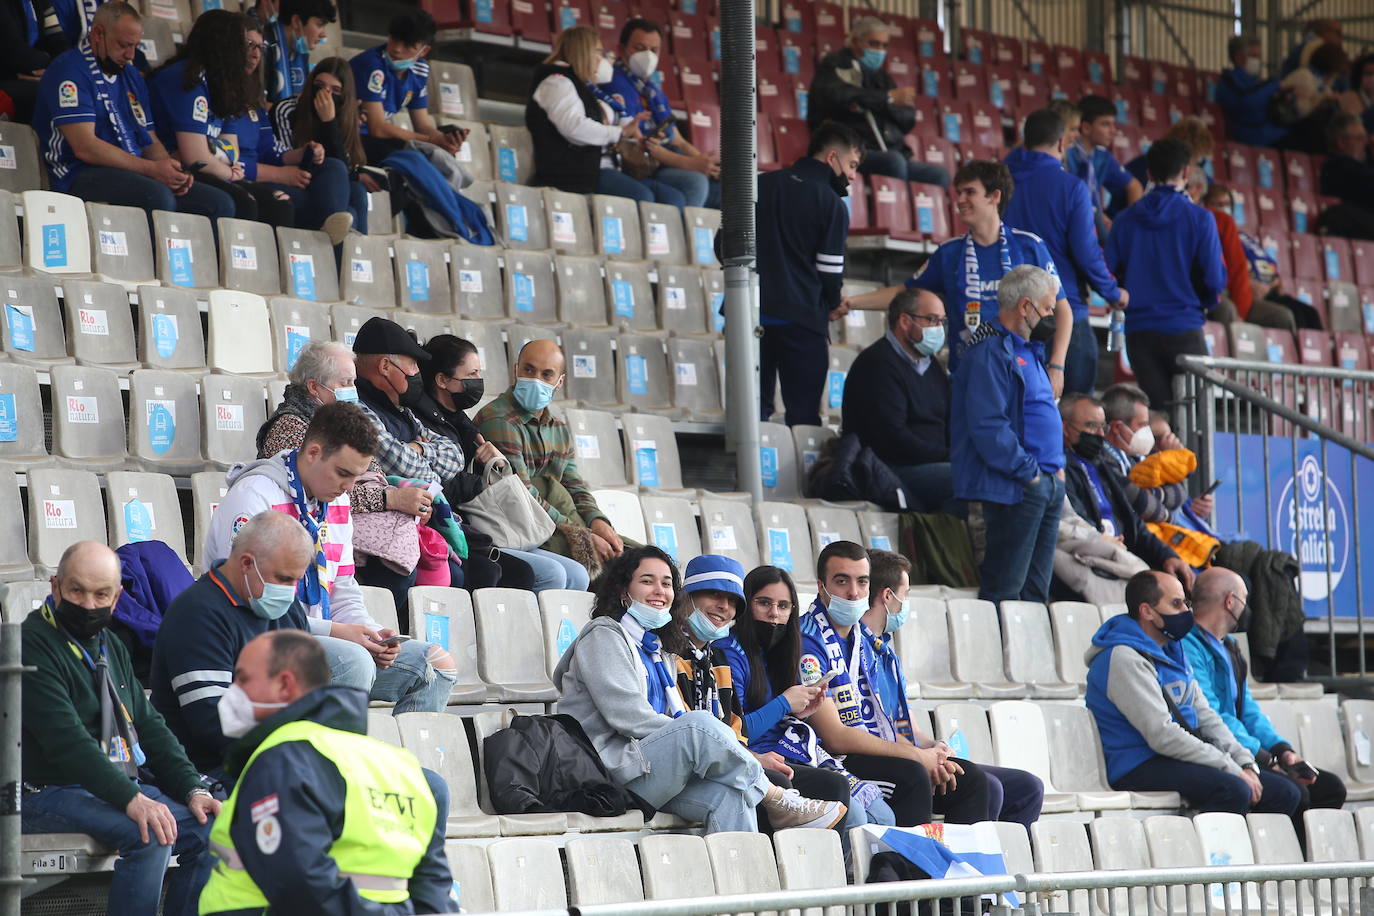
(619, 683)
(573, 131)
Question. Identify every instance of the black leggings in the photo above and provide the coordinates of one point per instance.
(906, 787)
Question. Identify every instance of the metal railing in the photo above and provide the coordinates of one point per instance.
(1290, 445)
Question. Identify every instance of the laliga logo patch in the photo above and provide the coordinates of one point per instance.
(200, 111)
(374, 82)
(239, 523)
(810, 669)
(66, 94)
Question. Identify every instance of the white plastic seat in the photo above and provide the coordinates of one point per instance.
(295, 323)
(381, 606)
(526, 874)
(777, 455)
(1358, 716)
(381, 222)
(440, 742)
(384, 727)
(926, 661)
(64, 507)
(1119, 845)
(482, 193)
(88, 418)
(307, 265)
(512, 153)
(976, 649)
(491, 352)
(881, 530)
(184, 246)
(1019, 740)
(232, 409)
(602, 869)
(520, 217)
(365, 274)
(642, 370)
(964, 726)
(443, 617)
(570, 222)
(785, 540)
(675, 866)
(349, 318)
(453, 91)
(100, 325)
(727, 528)
(531, 296)
(713, 290)
(475, 277)
(1323, 746)
(22, 436)
(468, 863)
(207, 491)
(514, 668)
(169, 331)
(629, 295)
(1173, 843)
(1073, 624)
(1275, 842)
(615, 221)
(623, 510)
(422, 277)
(248, 257)
(702, 224)
(1030, 650)
(651, 456)
(663, 236)
(1061, 845)
(15, 565)
(590, 378)
(1225, 841)
(11, 243)
(21, 168)
(22, 598)
(1016, 848)
(832, 398)
(56, 234)
(33, 332)
(475, 153)
(1076, 761)
(581, 292)
(830, 524)
(810, 440)
(696, 387)
(144, 507)
(859, 328)
(164, 422)
(742, 863)
(240, 339)
(670, 526)
(423, 327)
(121, 250)
(562, 614)
(681, 300)
(600, 460)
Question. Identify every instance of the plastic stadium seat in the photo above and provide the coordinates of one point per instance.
(681, 300)
(514, 668)
(121, 250)
(1173, 843)
(880, 530)
(859, 328)
(484, 725)
(976, 646)
(830, 524)
(629, 296)
(422, 277)
(530, 295)
(383, 725)
(382, 607)
(1214, 336)
(702, 225)
(1019, 738)
(185, 249)
(295, 323)
(1247, 341)
(563, 613)
(468, 862)
(1073, 624)
(232, 409)
(785, 541)
(207, 490)
(452, 91)
(88, 418)
(100, 325)
(642, 369)
(11, 245)
(964, 726)
(713, 289)
(443, 617)
(602, 869)
(1302, 209)
(526, 873)
(21, 418)
(441, 743)
(1030, 650)
(1359, 730)
(809, 442)
(520, 217)
(1075, 756)
(743, 863)
(21, 168)
(615, 221)
(33, 324)
(15, 565)
(248, 257)
(695, 384)
(144, 507)
(664, 241)
(1324, 747)
(1301, 174)
(581, 294)
(670, 525)
(1275, 842)
(1119, 845)
(1225, 840)
(727, 528)
(349, 318)
(590, 376)
(1062, 845)
(624, 512)
(164, 422)
(512, 153)
(675, 866)
(22, 598)
(475, 277)
(307, 265)
(56, 235)
(64, 507)
(240, 334)
(365, 273)
(1343, 309)
(1362, 253)
(569, 222)
(777, 455)
(475, 153)
(927, 661)
(380, 222)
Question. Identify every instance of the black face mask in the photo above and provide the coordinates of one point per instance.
(83, 623)
(839, 183)
(1089, 446)
(414, 391)
(1243, 621)
(109, 66)
(769, 634)
(1044, 329)
(473, 389)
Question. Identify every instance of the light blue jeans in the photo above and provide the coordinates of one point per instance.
(694, 186)
(552, 570)
(698, 770)
(411, 682)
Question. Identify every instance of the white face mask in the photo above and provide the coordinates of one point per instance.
(1252, 66)
(604, 73)
(1141, 442)
(643, 63)
(236, 717)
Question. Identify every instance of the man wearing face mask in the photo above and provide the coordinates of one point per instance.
(323, 819)
(1006, 443)
(1159, 733)
(87, 732)
(1244, 95)
(896, 400)
(1220, 608)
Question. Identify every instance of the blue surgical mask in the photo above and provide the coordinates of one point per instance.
(932, 339)
(347, 393)
(1176, 626)
(648, 617)
(845, 612)
(706, 631)
(872, 58)
(276, 599)
(896, 619)
(533, 394)
(300, 45)
(403, 65)
(272, 19)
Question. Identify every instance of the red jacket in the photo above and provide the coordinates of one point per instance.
(1237, 267)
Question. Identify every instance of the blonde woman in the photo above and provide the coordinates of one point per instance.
(574, 130)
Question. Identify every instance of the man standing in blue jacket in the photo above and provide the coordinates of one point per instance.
(803, 228)
(1244, 95)
(1166, 248)
(1057, 207)
(1159, 734)
(1006, 438)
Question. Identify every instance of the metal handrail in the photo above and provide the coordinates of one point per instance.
(1245, 365)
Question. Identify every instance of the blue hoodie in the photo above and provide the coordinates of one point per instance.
(1164, 248)
(1057, 207)
(1244, 100)
(1127, 672)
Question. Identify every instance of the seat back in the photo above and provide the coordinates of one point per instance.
(1319, 731)
(1062, 845)
(365, 273)
(422, 276)
(440, 742)
(295, 323)
(184, 246)
(33, 324)
(810, 440)
(830, 524)
(475, 153)
(841, 358)
(443, 617)
(975, 641)
(570, 222)
(562, 613)
(602, 869)
(663, 233)
(681, 300)
(56, 234)
(742, 863)
(307, 265)
(164, 418)
(596, 441)
(1073, 623)
(581, 294)
(928, 659)
(475, 277)
(1119, 845)
(169, 329)
(964, 726)
(1359, 733)
(1225, 841)
(468, 863)
(624, 511)
(526, 874)
(880, 530)
(64, 507)
(675, 865)
(727, 528)
(1028, 643)
(702, 224)
(21, 168)
(615, 221)
(120, 245)
(144, 507)
(21, 416)
(207, 491)
(651, 456)
(382, 726)
(671, 527)
(500, 613)
(785, 539)
(1173, 843)
(24, 597)
(232, 409)
(349, 318)
(240, 334)
(248, 257)
(381, 606)
(1016, 848)
(530, 290)
(512, 153)
(778, 461)
(11, 245)
(629, 295)
(14, 551)
(520, 217)
(1076, 760)
(88, 413)
(692, 364)
(642, 372)
(1019, 738)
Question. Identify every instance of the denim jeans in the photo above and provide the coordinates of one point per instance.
(136, 884)
(929, 487)
(650, 190)
(698, 770)
(693, 186)
(1020, 543)
(552, 570)
(105, 185)
(411, 682)
(327, 193)
(1080, 363)
(894, 164)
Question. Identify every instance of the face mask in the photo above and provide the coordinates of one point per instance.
(83, 623)
(109, 66)
(872, 58)
(932, 340)
(1252, 66)
(706, 631)
(1141, 442)
(414, 391)
(1088, 446)
(1243, 621)
(533, 394)
(845, 612)
(604, 73)
(236, 717)
(896, 620)
(1044, 329)
(839, 181)
(473, 389)
(648, 617)
(276, 599)
(643, 63)
(1176, 626)
(347, 393)
(400, 66)
(300, 45)
(769, 634)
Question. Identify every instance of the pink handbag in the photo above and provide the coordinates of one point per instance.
(390, 536)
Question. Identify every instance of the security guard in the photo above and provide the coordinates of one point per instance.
(323, 819)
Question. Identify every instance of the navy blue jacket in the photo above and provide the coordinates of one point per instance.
(1349, 179)
(903, 417)
(1057, 207)
(802, 228)
(1165, 249)
(1244, 99)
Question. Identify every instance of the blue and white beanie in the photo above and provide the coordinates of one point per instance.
(714, 573)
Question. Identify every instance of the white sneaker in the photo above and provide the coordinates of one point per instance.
(336, 226)
(789, 809)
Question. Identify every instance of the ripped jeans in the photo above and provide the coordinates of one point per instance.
(411, 682)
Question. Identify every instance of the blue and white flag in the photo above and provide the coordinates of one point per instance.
(945, 850)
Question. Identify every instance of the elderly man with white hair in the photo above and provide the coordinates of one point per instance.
(852, 87)
(1006, 439)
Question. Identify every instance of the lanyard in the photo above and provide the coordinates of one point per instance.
(311, 588)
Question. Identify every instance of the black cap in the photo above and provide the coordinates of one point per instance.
(384, 336)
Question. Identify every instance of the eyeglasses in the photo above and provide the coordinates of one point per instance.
(256, 46)
(1180, 604)
(1094, 427)
(768, 604)
(931, 321)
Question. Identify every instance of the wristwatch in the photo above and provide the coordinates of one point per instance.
(198, 790)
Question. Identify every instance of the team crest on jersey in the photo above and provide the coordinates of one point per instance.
(137, 109)
(201, 109)
(66, 94)
(253, 115)
(375, 81)
(973, 315)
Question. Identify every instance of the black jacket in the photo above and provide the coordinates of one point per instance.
(902, 416)
(557, 162)
(457, 427)
(547, 763)
(1349, 179)
(1139, 540)
(842, 91)
(803, 229)
(847, 469)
